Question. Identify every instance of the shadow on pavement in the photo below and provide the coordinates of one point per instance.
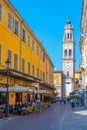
(74, 120)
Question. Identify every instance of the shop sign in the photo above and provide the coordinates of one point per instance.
(36, 85)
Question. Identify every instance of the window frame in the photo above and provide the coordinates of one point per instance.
(70, 52)
(23, 35)
(15, 61)
(0, 12)
(29, 68)
(32, 45)
(9, 56)
(71, 36)
(67, 35)
(16, 27)
(33, 70)
(23, 65)
(28, 40)
(10, 21)
(65, 52)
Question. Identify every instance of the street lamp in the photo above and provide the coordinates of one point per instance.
(7, 85)
(33, 95)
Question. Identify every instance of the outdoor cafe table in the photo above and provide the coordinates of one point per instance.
(24, 110)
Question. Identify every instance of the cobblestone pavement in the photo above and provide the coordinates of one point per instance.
(49, 119)
(74, 120)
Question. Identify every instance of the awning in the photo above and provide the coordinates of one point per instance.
(15, 89)
(5, 89)
(20, 89)
(40, 91)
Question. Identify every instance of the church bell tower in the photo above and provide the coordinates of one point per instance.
(68, 59)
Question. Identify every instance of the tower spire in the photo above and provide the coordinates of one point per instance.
(68, 21)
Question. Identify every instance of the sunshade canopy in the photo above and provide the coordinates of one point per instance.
(41, 91)
(15, 89)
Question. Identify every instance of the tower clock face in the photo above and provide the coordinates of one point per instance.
(68, 66)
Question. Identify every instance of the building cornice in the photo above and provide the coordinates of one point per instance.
(58, 71)
(68, 41)
(77, 71)
(68, 59)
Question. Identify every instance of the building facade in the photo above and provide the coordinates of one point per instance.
(30, 63)
(78, 80)
(83, 48)
(68, 59)
(58, 82)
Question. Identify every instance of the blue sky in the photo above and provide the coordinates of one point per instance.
(47, 19)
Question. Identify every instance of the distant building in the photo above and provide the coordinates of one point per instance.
(58, 82)
(78, 80)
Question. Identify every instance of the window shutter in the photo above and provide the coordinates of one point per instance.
(0, 12)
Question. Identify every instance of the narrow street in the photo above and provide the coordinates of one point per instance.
(49, 119)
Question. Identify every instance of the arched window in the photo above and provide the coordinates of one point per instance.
(65, 53)
(70, 35)
(67, 74)
(70, 52)
(67, 35)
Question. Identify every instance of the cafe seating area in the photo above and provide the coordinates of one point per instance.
(23, 108)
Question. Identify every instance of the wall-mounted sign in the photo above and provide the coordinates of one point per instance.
(36, 85)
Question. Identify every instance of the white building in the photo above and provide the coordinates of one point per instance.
(83, 48)
(68, 59)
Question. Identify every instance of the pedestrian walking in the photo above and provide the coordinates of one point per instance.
(64, 100)
(60, 100)
(72, 104)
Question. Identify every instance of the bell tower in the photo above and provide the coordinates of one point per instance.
(68, 59)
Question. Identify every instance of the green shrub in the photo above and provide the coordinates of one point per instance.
(71, 96)
(48, 98)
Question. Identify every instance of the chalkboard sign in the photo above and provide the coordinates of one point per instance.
(38, 106)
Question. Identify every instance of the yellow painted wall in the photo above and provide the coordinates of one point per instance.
(77, 78)
(77, 75)
(11, 98)
(57, 79)
(8, 40)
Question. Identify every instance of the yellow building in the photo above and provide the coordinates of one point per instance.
(83, 48)
(78, 80)
(30, 65)
(58, 82)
